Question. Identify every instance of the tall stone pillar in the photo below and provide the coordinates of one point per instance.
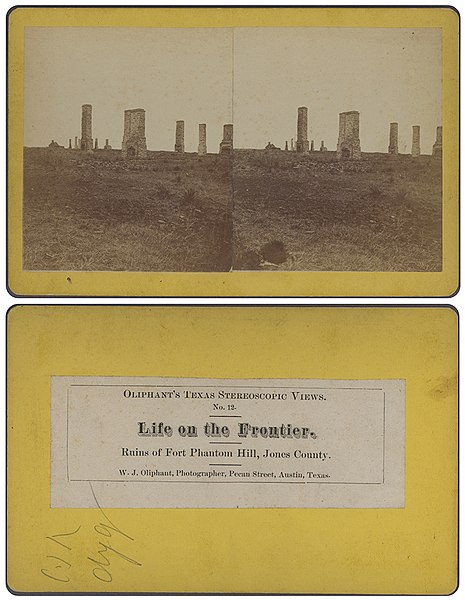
(202, 149)
(134, 143)
(393, 147)
(348, 143)
(302, 129)
(292, 145)
(312, 146)
(437, 147)
(226, 146)
(86, 128)
(179, 142)
(76, 142)
(96, 144)
(416, 140)
(70, 146)
(323, 147)
(286, 146)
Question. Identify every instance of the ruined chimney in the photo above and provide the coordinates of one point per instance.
(437, 147)
(302, 129)
(179, 142)
(202, 149)
(226, 146)
(86, 128)
(393, 147)
(348, 143)
(134, 143)
(416, 140)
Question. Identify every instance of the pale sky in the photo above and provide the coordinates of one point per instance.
(256, 80)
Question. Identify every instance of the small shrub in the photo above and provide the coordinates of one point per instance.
(190, 197)
(162, 191)
(401, 196)
(375, 192)
(274, 252)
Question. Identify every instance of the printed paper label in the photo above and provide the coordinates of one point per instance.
(152, 442)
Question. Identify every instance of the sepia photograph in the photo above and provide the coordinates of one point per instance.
(232, 149)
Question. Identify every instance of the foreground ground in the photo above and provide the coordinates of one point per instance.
(262, 211)
(314, 213)
(99, 213)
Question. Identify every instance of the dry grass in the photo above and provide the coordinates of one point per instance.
(175, 212)
(381, 213)
(100, 213)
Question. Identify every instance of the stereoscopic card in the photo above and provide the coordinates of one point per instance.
(233, 151)
(232, 449)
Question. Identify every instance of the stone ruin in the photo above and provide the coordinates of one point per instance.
(393, 147)
(226, 146)
(202, 149)
(348, 143)
(86, 128)
(437, 147)
(302, 126)
(416, 140)
(134, 143)
(179, 142)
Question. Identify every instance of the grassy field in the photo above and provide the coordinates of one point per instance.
(98, 212)
(262, 211)
(314, 213)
